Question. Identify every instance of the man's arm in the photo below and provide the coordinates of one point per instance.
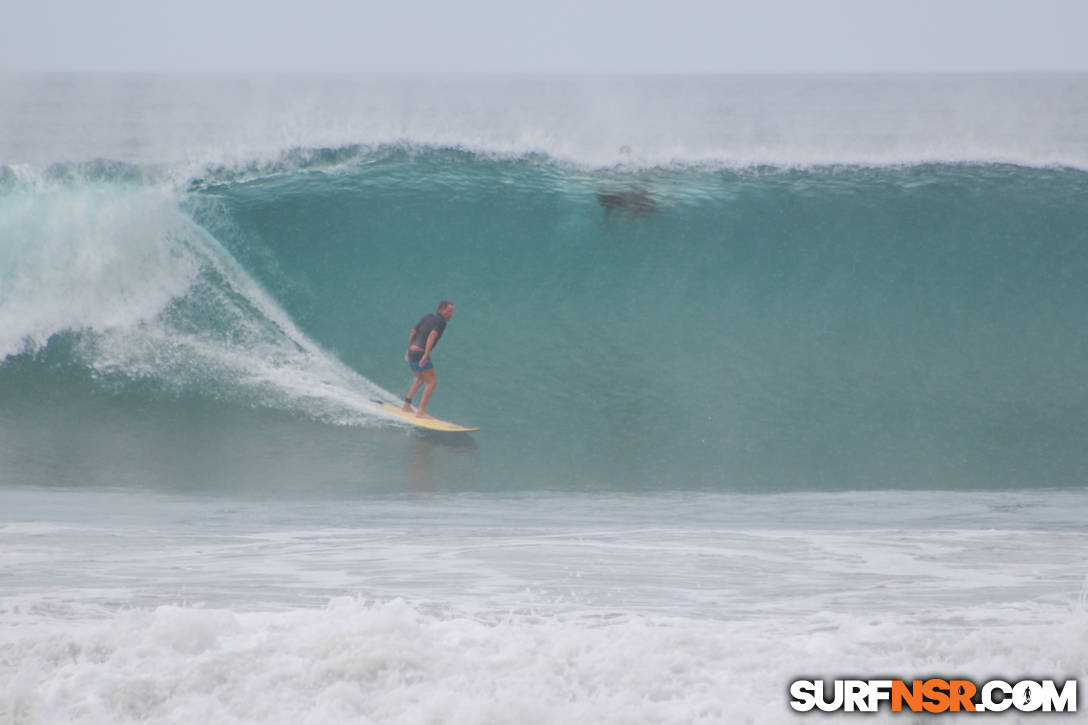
(410, 336)
(430, 343)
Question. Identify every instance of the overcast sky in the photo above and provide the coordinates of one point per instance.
(545, 36)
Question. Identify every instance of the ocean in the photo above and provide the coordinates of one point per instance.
(778, 378)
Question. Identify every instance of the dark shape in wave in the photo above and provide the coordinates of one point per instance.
(633, 202)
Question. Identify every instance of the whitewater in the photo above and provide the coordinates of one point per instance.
(779, 377)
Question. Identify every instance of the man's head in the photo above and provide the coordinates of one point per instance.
(445, 308)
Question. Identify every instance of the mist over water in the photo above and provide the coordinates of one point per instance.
(193, 120)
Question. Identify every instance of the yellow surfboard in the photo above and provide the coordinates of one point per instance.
(429, 423)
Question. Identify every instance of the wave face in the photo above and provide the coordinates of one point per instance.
(830, 327)
(695, 323)
(908, 326)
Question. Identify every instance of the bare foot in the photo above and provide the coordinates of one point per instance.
(421, 414)
(407, 407)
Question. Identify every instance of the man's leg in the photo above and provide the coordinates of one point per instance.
(430, 381)
(412, 393)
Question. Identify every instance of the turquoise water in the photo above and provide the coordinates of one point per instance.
(836, 327)
(757, 329)
(777, 378)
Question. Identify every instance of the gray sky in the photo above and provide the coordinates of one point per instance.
(548, 36)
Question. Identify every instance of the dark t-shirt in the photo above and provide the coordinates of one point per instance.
(433, 321)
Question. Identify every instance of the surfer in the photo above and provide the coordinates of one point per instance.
(421, 340)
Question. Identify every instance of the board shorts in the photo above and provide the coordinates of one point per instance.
(414, 356)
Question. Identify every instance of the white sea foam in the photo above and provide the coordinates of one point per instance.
(151, 295)
(87, 258)
(671, 608)
(408, 662)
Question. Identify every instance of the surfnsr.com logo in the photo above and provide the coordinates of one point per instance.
(934, 695)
